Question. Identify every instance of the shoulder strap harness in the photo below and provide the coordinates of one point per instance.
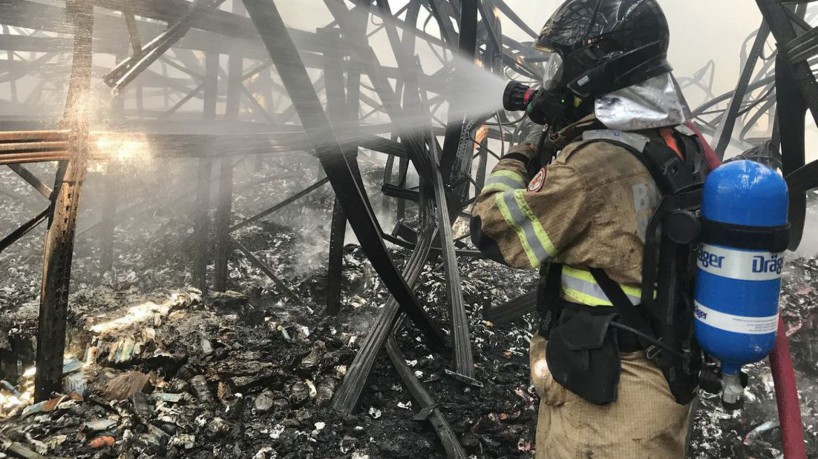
(663, 322)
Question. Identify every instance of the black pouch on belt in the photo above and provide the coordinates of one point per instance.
(583, 355)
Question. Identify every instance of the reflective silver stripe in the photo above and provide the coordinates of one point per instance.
(588, 292)
(520, 221)
(503, 180)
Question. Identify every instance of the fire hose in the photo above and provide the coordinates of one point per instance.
(786, 391)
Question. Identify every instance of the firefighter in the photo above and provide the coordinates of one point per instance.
(607, 92)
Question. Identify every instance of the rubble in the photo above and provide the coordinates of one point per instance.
(254, 393)
(186, 378)
(126, 385)
(103, 441)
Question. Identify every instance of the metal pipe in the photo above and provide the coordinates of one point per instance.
(32, 146)
(22, 158)
(25, 136)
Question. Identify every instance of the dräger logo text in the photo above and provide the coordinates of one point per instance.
(773, 264)
(708, 259)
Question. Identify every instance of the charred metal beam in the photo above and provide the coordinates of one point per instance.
(224, 206)
(221, 225)
(10, 57)
(435, 249)
(33, 157)
(27, 147)
(482, 165)
(133, 31)
(804, 47)
(17, 449)
(700, 110)
(509, 13)
(512, 310)
(280, 205)
(108, 227)
(202, 224)
(728, 120)
(429, 410)
(294, 75)
(369, 61)
(796, 91)
(457, 123)
(24, 229)
(335, 264)
(339, 106)
(464, 362)
(32, 180)
(804, 179)
(266, 270)
(791, 112)
(346, 398)
(776, 16)
(129, 69)
(442, 14)
(211, 85)
(179, 104)
(33, 136)
(225, 138)
(400, 192)
(382, 145)
(59, 242)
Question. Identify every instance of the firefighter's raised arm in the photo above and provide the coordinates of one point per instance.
(525, 221)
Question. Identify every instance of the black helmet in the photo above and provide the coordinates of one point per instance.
(607, 45)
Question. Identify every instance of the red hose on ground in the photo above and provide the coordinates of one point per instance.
(786, 396)
(786, 391)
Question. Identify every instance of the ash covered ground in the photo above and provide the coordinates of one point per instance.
(157, 370)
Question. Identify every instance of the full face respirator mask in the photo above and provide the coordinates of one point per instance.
(551, 104)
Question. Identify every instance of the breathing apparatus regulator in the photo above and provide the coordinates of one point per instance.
(551, 104)
(735, 223)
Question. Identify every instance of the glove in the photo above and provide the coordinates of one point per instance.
(535, 132)
(550, 391)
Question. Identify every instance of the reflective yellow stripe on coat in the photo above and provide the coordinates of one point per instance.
(536, 243)
(579, 286)
(504, 181)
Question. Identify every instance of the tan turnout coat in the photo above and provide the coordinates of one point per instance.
(590, 208)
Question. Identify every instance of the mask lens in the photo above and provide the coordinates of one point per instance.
(553, 71)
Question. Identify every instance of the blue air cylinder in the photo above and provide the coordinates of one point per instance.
(738, 277)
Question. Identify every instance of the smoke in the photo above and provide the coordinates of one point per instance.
(157, 171)
(809, 241)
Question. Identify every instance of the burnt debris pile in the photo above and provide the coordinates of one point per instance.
(169, 374)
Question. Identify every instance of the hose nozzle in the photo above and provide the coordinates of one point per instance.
(517, 96)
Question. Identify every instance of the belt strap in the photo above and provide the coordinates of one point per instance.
(624, 307)
(549, 303)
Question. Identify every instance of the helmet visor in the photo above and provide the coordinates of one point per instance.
(553, 72)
